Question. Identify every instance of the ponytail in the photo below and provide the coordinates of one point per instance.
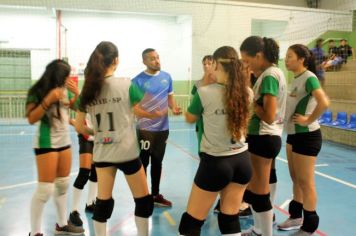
(100, 60)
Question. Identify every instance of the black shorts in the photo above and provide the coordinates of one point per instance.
(308, 144)
(85, 146)
(266, 146)
(40, 151)
(152, 143)
(129, 167)
(215, 173)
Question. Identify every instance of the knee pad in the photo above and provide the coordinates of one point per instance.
(93, 177)
(44, 191)
(82, 178)
(273, 176)
(295, 209)
(261, 203)
(189, 226)
(61, 184)
(103, 210)
(229, 224)
(248, 197)
(144, 206)
(310, 221)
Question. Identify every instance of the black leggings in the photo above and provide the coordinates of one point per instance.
(153, 144)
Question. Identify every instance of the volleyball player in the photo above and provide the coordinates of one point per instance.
(265, 127)
(86, 172)
(225, 165)
(106, 99)
(305, 103)
(48, 103)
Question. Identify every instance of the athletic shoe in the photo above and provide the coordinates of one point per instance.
(217, 207)
(74, 218)
(290, 224)
(69, 229)
(38, 234)
(245, 212)
(301, 233)
(250, 232)
(159, 200)
(90, 208)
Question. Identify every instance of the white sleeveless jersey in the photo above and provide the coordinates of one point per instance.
(113, 123)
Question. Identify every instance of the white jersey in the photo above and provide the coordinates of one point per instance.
(113, 123)
(52, 130)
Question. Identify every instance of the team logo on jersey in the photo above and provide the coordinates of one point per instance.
(146, 85)
(164, 81)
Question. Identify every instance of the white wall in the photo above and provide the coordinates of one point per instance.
(33, 29)
(169, 35)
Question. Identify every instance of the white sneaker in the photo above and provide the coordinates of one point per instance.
(290, 224)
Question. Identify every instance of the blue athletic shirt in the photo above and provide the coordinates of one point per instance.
(152, 91)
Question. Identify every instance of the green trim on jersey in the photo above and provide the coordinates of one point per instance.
(135, 94)
(269, 85)
(31, 98)
(301, 109)
(196, 107)
(194, 90)
(45, 133)
(254, 125)
(76, 104)
(312, 84)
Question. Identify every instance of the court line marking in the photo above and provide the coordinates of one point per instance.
(326, 176)
(285, 204)
(27, 183)
(169, 218)
(321, 165)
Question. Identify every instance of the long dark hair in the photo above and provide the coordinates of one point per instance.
(101, 58)
(53, 77)
(255, 44)
(303, 52)
(236, 99)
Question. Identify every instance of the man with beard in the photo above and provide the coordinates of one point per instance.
(151, 93)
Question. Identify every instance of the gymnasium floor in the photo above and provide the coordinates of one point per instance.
(335, 181)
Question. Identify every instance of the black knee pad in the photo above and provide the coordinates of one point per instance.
(144, 206)
(93, 177)
(310, 221)
(189, 226)
(261, 203)
(295, 209)
(103, 210)
(82, 178)
(248, 197)
(229, 224)
(273, 176)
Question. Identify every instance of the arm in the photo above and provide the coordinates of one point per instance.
(35, 112)
(173, 106)
(267, 112)
(72, 87)
(190, 118)
(80, 126)
(141, 113)
(322, 103)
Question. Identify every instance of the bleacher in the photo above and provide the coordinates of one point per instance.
(339, 123)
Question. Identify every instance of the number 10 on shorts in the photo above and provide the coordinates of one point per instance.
(145, 144)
